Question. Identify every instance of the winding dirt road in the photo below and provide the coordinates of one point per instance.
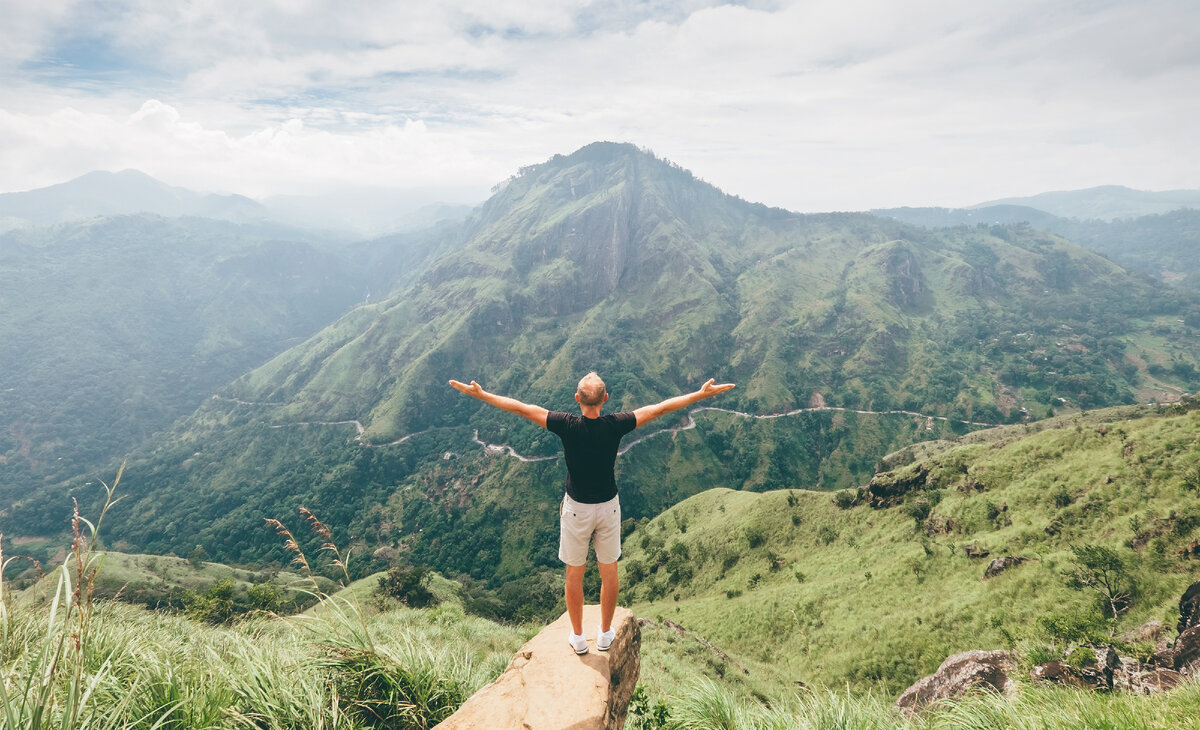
(688, 424)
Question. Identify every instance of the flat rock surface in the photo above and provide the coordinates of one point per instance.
(548, 687)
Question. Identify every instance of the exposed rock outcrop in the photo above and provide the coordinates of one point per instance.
(888, 488)
(974, 551)
(548, 687)
(1186, 652)
(991, 670)
(999, 565)
(1189, 608)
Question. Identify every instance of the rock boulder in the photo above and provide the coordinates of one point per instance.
(999, 565)
(1186, 653)
(548, 687)
(992, 670)
(1189, 608)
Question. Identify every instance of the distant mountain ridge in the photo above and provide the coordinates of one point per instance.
(1106, 202)
(119, 193)
(1163, 245)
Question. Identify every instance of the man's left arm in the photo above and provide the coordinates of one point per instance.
(646, 414)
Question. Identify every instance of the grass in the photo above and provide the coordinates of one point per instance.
(708, 705)
(81, 662)
(799, 589)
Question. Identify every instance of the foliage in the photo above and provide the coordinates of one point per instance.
(1104, 571)
(409, 584)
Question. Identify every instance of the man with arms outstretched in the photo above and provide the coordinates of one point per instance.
(590, 508)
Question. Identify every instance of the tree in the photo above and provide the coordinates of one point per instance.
(408, 583)
(197, 556)
(1103, 570)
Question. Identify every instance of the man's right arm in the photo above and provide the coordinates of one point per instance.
(537, 414)
(646, 414)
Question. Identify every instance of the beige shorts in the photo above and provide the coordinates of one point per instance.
(579, 522)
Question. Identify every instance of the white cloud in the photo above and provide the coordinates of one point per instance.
(812, 105)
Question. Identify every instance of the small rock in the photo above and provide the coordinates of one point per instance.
(1187, 652)
(989, 670)
(1057, 672)
(1191, 551)
(999, 565)
(974, 551)
(1156, 681)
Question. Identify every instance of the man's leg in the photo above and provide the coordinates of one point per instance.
(608, 595)
(573, 592)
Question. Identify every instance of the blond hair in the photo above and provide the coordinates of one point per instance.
(591, 389)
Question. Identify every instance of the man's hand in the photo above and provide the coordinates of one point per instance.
(474, 389)
(709, 389)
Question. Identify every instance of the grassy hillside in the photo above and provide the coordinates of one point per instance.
(159, 581)
(831, 594)
(349, 665)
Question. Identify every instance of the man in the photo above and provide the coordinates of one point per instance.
(590, 507)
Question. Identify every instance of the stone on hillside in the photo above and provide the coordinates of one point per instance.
(990, 670)
(1096, 676)
(999, 565)
(974, 551)
(548, 687)
(888, 489)
(1132, 676)
(1189, 608)
(1057, 672)
(1186, 653)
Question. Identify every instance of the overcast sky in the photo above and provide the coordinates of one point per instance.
(810, 105)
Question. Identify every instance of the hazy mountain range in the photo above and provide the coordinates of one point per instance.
(346, 215)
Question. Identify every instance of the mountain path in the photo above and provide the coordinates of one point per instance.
(688, 424)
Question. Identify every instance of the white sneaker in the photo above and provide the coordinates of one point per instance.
(604, 639)
(578, 642)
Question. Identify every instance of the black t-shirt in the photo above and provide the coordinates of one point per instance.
(590, 448)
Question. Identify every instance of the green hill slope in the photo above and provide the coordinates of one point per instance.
(830, 590)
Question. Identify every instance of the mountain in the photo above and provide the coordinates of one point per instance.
(115, 327)
(1165, 245)
(119, 193)
(994, 215)
(610, 258)
(1107, 202)
(849, 336)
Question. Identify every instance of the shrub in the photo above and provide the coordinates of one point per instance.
(827, 534)
(407, 583)
(845, 498)
(755, 536)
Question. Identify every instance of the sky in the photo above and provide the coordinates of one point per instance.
(811, 105)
